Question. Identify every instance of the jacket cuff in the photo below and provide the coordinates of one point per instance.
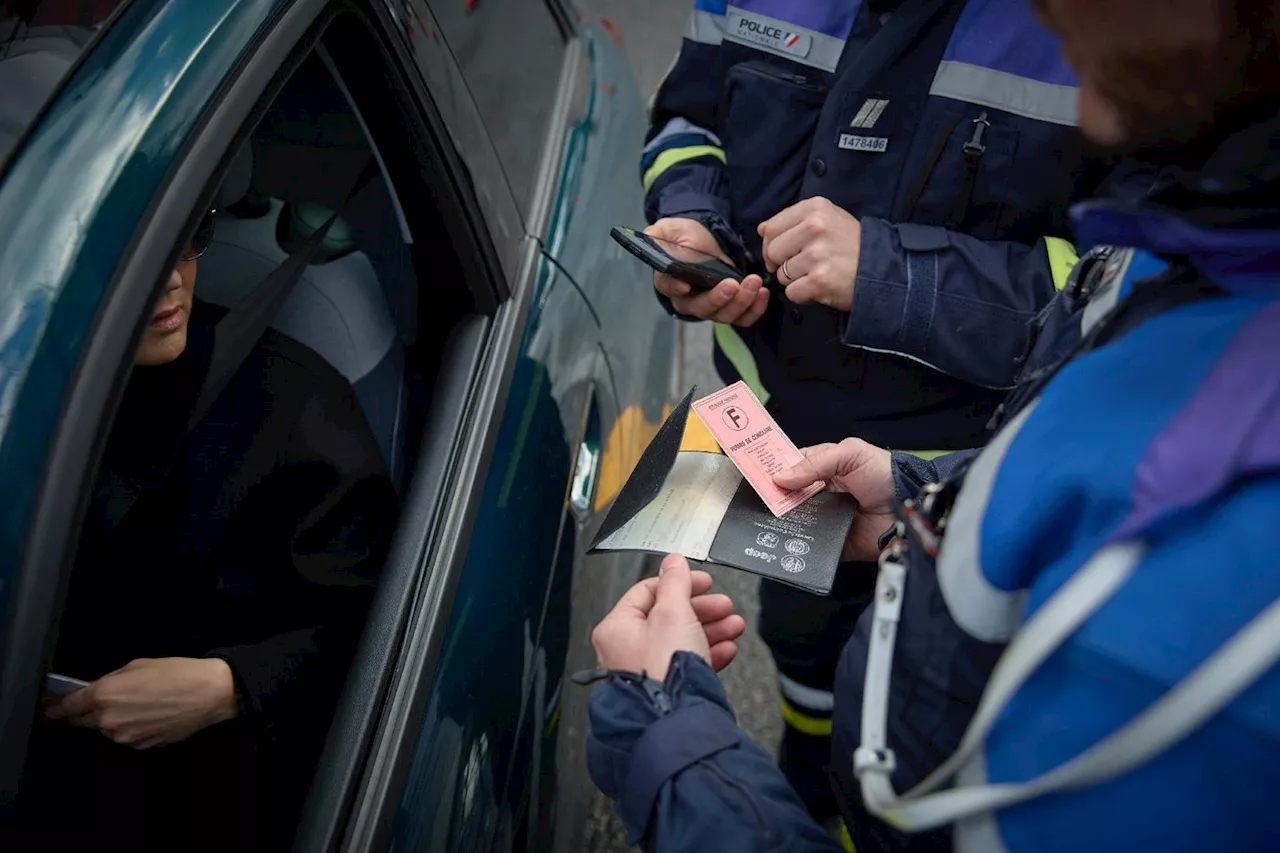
(896, 288)
(254, 680)
(683, 202)
(714, 216)
(640, 738)
(729, 242)
(910, 473)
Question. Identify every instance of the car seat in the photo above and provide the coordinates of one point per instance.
(337, 307)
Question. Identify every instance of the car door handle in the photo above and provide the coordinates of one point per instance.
(582, 488)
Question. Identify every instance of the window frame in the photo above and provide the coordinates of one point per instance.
(566, 18)
(564, 25)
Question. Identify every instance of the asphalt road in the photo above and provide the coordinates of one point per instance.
(651, 32)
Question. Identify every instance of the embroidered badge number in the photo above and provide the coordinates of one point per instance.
(874, 144)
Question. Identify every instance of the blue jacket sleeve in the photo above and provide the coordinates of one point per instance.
(682, 166)
(910, 472)
(957, 303)
(683, 776)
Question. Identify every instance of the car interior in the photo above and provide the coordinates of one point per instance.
(385, 288)
(356, 304)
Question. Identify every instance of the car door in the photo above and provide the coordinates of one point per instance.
(459, 755)
(583, 100)
(590, 161)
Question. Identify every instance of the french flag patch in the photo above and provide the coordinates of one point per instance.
(790, 40)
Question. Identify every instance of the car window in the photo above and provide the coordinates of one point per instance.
(510, 52)
(233, 541)
(40, 40)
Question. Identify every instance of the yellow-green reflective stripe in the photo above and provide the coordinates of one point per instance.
(735, 349)
(926, 455)
(846, 841)
(671, 156)
(1062, 259)
(803, 723)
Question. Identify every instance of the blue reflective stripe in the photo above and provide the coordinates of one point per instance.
(715, 7)
(832, 19)
(706, 27)
(1022, 96)
(677, 127)
(1007, 37)
(687, 140)
(1000, 56)
(757, 25)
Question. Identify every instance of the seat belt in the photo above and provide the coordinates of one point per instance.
(237, 333)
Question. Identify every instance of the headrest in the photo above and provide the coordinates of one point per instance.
(239, 178)
(299, 221)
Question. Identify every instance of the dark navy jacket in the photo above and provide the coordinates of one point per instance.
(1142, 447)
(948, 130)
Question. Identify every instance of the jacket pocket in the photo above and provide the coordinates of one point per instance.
(769, 117)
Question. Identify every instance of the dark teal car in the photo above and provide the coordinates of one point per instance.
(510, 360)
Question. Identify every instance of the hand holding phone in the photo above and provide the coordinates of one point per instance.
(699, 270)
(698, 284)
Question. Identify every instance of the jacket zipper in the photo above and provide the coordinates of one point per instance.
(771, 73)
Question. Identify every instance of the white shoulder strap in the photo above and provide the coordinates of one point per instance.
(1188, 705)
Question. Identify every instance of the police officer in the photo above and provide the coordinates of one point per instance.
(1076, 633)
(905, 169)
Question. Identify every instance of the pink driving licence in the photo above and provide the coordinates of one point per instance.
(752, 439)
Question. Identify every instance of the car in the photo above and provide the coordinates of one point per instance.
(510, 358)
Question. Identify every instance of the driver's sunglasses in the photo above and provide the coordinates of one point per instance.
(201, 239)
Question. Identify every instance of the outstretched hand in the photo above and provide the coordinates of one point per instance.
(670, 613)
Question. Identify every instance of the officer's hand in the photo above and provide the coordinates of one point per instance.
(864, 471)
(739, 304)
(664, 615)
(814, 246)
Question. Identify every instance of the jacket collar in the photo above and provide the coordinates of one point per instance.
(1223, 217)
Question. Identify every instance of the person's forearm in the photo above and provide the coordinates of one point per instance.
(956, 303)
(683, 775)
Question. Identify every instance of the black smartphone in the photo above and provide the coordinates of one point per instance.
(696, 269)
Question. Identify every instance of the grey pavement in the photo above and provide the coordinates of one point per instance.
(651, 32)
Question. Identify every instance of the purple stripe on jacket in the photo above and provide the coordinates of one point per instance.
(1229, 429)
(1007, 36)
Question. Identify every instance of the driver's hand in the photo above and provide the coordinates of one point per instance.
(739, 304)
(151, 702)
